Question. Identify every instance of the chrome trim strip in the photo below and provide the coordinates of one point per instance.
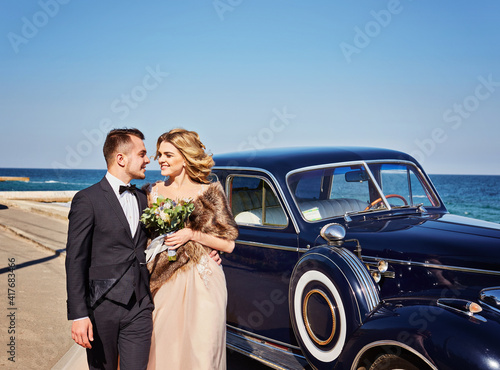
(390, 343)
(261, 337)
(254, 357)
(434, 266)
(377, 186)
(372, 288)
(442, 304)
(230, 178)
(312, 168)
(423, 175)
(353, 292)
(273, 178)
(321, 166)
(272, 246)
(370, 292)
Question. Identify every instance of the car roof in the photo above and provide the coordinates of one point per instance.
(284, 160)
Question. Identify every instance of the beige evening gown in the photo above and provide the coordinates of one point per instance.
(189, 319)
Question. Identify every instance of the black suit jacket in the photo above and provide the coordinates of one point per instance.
(103, 260)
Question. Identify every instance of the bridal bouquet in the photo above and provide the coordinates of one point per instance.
(163, 217)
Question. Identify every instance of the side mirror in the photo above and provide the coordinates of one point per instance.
(334, 233)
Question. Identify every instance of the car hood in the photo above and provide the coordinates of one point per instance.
(441, 239)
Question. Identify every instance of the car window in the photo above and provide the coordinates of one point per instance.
(402, 185)
(309, 186)
(350, 183)
(254, 202)
(331, 192)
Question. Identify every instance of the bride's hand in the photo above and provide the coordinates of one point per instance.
(178, 238)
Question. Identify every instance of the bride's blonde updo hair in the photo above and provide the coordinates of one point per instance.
(198, 162)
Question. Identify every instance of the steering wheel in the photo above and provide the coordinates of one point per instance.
(387, 196)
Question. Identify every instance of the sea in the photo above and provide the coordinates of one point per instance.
(475, 196)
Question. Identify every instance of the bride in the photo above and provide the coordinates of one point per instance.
(189, 319)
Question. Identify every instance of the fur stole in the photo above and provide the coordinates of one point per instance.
(211, 215)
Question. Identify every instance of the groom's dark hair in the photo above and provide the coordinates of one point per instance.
(116, 139)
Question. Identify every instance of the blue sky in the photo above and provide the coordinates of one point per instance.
(418, 76)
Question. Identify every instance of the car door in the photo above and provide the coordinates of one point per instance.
(259, 269)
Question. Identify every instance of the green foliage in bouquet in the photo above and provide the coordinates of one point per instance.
(166, 215)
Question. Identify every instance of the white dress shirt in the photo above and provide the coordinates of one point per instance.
(127, 200)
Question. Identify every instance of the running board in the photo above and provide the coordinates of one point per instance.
(265, 352)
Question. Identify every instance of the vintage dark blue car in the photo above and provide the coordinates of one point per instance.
(348, 259)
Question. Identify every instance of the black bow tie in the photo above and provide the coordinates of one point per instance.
(131, 188)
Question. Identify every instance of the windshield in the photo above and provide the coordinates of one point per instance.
(334, 191)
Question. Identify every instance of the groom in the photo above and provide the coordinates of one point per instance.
(107, 280)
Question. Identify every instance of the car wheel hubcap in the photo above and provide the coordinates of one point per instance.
(319, 317)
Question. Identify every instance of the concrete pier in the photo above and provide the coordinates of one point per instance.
(33, 235)
(39, 196)
(12, 178)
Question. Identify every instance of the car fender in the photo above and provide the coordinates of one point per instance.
(432, 336)
(331, 294)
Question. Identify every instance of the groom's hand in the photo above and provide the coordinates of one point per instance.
(216, 256)
(81, 332)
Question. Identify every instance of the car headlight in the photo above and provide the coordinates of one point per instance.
(491, 296)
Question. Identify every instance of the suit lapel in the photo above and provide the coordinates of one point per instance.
(142, 201)
(109, 194)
